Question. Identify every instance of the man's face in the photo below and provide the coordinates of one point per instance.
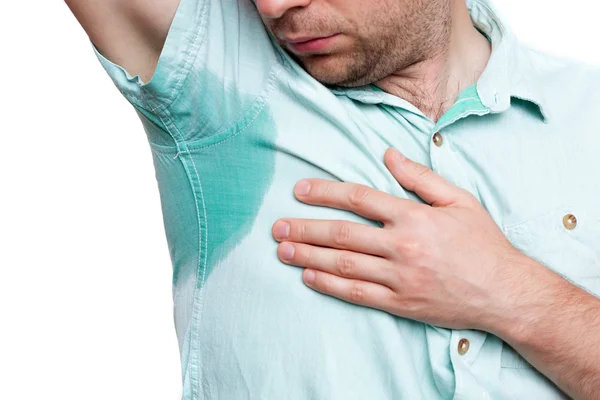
(356, 42)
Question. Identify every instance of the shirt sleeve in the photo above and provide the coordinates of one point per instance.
(216, 63)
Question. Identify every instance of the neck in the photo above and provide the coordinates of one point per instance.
(433, 84)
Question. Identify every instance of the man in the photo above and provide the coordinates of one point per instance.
(467, 269)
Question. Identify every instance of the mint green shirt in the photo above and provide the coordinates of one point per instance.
(233, 123)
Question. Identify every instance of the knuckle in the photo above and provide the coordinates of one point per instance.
(346, 265)
(324, 190)
(409, 249)
(422, 279)
(423, 172)
(341, 233)
(358, 196)
(301, 231)
(326, 285)
(407, 307)
(357, 293)
(422, 177)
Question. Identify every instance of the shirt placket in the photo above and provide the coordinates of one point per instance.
(465, 344)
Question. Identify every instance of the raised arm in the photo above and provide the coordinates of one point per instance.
(130, 33)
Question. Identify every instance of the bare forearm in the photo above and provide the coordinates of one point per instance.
(556, 327)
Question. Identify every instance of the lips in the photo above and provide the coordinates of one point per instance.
(310, 44)
(303, 39)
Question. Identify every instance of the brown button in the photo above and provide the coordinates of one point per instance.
(437, 139)
(569, 221)
(463, 346)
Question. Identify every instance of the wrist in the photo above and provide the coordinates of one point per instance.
(528, 296)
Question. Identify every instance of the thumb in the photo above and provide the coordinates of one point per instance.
(417, 178)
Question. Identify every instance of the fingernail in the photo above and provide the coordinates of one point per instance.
(302, 187)
(286, 251)
(281, 230)
(309, 276)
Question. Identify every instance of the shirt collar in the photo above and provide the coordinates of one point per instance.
(509, 72)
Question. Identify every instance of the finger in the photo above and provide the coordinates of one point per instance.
(343, 263)
(337, 234)
(428, 185)
(354, 291)
(360, 199)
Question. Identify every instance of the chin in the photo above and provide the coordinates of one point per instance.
(334, 70)
(338, 70)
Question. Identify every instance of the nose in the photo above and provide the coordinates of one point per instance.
(276, 8)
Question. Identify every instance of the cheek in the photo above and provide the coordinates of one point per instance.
(268, 24)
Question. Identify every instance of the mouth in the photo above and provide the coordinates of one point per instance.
(310, 44)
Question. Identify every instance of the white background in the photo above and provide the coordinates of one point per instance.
(85, 274)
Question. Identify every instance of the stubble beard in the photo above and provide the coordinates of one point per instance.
(369, 61)
(394, 46)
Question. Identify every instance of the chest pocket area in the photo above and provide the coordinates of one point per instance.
(566, 240)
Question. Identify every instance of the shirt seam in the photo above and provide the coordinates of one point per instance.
(202, 223)
(232, 130)
(182, 74)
